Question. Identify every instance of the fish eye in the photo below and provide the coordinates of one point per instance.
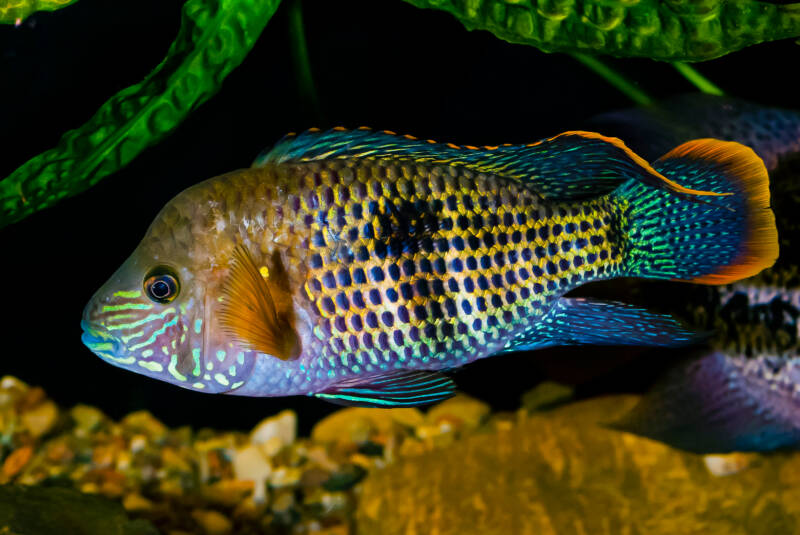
(161, 285)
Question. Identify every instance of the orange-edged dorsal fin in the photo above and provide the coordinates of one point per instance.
(571, 166)
(257, 310)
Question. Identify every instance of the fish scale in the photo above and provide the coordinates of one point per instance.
(498, 256)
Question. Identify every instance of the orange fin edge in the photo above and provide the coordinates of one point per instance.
(745, 168)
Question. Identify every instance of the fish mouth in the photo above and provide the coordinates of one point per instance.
(101, 342)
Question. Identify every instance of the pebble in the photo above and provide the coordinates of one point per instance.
(358, 424)
(285, 476)
(200, 482)
(40, 419)
(345, 478)
(136, 502)
(251, 465)
(727, 464)
(212, 522)
(283, 502)
(228, 492)
(278, 431)
(142, 422)
(546, 395)
(16, 461)
(86, 418)
(462, 411)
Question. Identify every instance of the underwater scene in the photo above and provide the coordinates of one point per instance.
(399, 267)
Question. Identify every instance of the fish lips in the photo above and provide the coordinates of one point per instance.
(101, 342)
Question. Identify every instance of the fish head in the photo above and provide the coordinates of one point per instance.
(158, 313)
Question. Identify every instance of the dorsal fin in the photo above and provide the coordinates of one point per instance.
(570, 166)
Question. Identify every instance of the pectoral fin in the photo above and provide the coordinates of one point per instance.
(258, 310)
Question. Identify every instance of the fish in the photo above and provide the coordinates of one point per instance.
(739, 391)
(740, 394)
(363, 267)
(772, 132)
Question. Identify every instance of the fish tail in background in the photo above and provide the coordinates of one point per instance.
(702, 240)
(718, 403)
(773, 133)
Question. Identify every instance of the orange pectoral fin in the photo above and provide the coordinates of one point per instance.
(256, 311)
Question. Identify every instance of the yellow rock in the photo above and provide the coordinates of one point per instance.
(15, 462)
(228, 492)
(212, 522)
(461, 410)
(136, 502)
(546, 395)
(11, 389)
(728, 463)
(142, 422)
(250, 464)
(280, 430)
(561, 471)
(86, 418)
(358, 424)
(285, 476)
(40, 419)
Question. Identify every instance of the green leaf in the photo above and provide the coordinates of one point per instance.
(214, 38)
(15, 11)
(669, 30)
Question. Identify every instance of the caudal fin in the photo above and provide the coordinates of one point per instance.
(704, 240)
(719, 403)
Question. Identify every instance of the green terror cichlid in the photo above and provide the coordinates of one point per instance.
(359, 266)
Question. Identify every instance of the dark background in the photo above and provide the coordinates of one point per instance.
(384, 64)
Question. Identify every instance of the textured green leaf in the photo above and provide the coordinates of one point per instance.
(15, 11)
(671, 30)
(214, 38)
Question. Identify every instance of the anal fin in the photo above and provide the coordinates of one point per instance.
(578, 321)
(399, 388)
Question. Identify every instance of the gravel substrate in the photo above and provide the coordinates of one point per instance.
(219, 482)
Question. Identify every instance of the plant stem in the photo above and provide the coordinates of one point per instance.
(614, 78)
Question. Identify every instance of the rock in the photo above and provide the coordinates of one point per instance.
(277, 432)
(86, 419)
(212, 522)
(136, 502)
(16, 461)
(341, 529)
(40, 419)
(250, 464)
(314, 477)
(728, 463)
(43, 510)
(228, 493)
(249, 509)
(144, 423)
(347, 476)
(561, 471)
(285, 476)
(546, 396)
(283, 502)
(462, 411)
(138, 443)
(358, 424)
